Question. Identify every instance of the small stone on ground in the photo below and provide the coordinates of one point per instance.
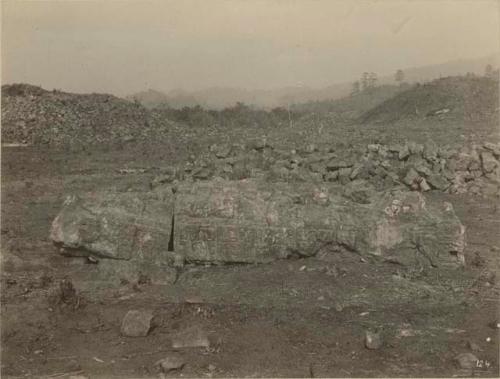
(190, 337)
(137, 323)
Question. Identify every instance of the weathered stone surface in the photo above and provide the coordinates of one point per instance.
(438, 181)
(137, 323)
(411, 177)
(373, 341)
(118, 226)
(193, 336)
(424, 187)
(335, 164)
(430, 151)
(466, 360)
(252, 221)
(374, 162)
(488, 161)
(404, 152)
(495, 149)
(173, 361)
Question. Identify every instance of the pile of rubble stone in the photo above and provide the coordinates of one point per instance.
(32, 115)
(421, 167)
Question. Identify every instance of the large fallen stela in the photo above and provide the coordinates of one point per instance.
(252, 221)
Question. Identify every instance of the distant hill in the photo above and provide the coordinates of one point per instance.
(458, 97)
(452, 68)
(222, 97)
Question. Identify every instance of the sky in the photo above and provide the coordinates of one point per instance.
(122, 47)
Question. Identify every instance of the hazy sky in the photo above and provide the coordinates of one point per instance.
(126, 46)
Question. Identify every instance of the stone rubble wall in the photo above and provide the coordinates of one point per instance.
(420, 167)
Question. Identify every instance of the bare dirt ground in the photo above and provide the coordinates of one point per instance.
(291, 318)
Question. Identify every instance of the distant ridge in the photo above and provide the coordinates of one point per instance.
(221, 97)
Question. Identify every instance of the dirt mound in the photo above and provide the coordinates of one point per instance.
(460, 97)
(35, 116)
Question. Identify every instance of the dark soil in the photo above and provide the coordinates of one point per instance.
(292, 318)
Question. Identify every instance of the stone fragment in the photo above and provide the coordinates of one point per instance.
(438, 182)
(332, 176)
(430, 151)
(137, 323)
(222, 151)
(191, 337)
(494, 148)
(173, 361)
(424, 187)
(373, 147)
(202, 173)
(317, 167)
(488, 161)
(404, 153)
(356, 171)
(473, 346)
(415, 148)
(373, 341)
(335, 164)
(411, 177)
(345, 175)
(422, 169)
(257, 144)
(466, 361)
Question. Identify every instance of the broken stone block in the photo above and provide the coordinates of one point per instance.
(193, 336)
(424, 187)
(466, 361)
(221, 151)
(411, 177)
(137, 323)
(253, 221)
(116, 225)
(430, 151)
(488, 161)
(173, 361)
(404, 153)
(331, 176)
(495, 149)
(373, 147)
(335, 164)
(415, 148)
(345, 175)
(373, 341)
(438, 182)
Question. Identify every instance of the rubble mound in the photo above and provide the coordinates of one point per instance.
(32, 115)
(253, 221)
(473, 169)
(460, 97)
